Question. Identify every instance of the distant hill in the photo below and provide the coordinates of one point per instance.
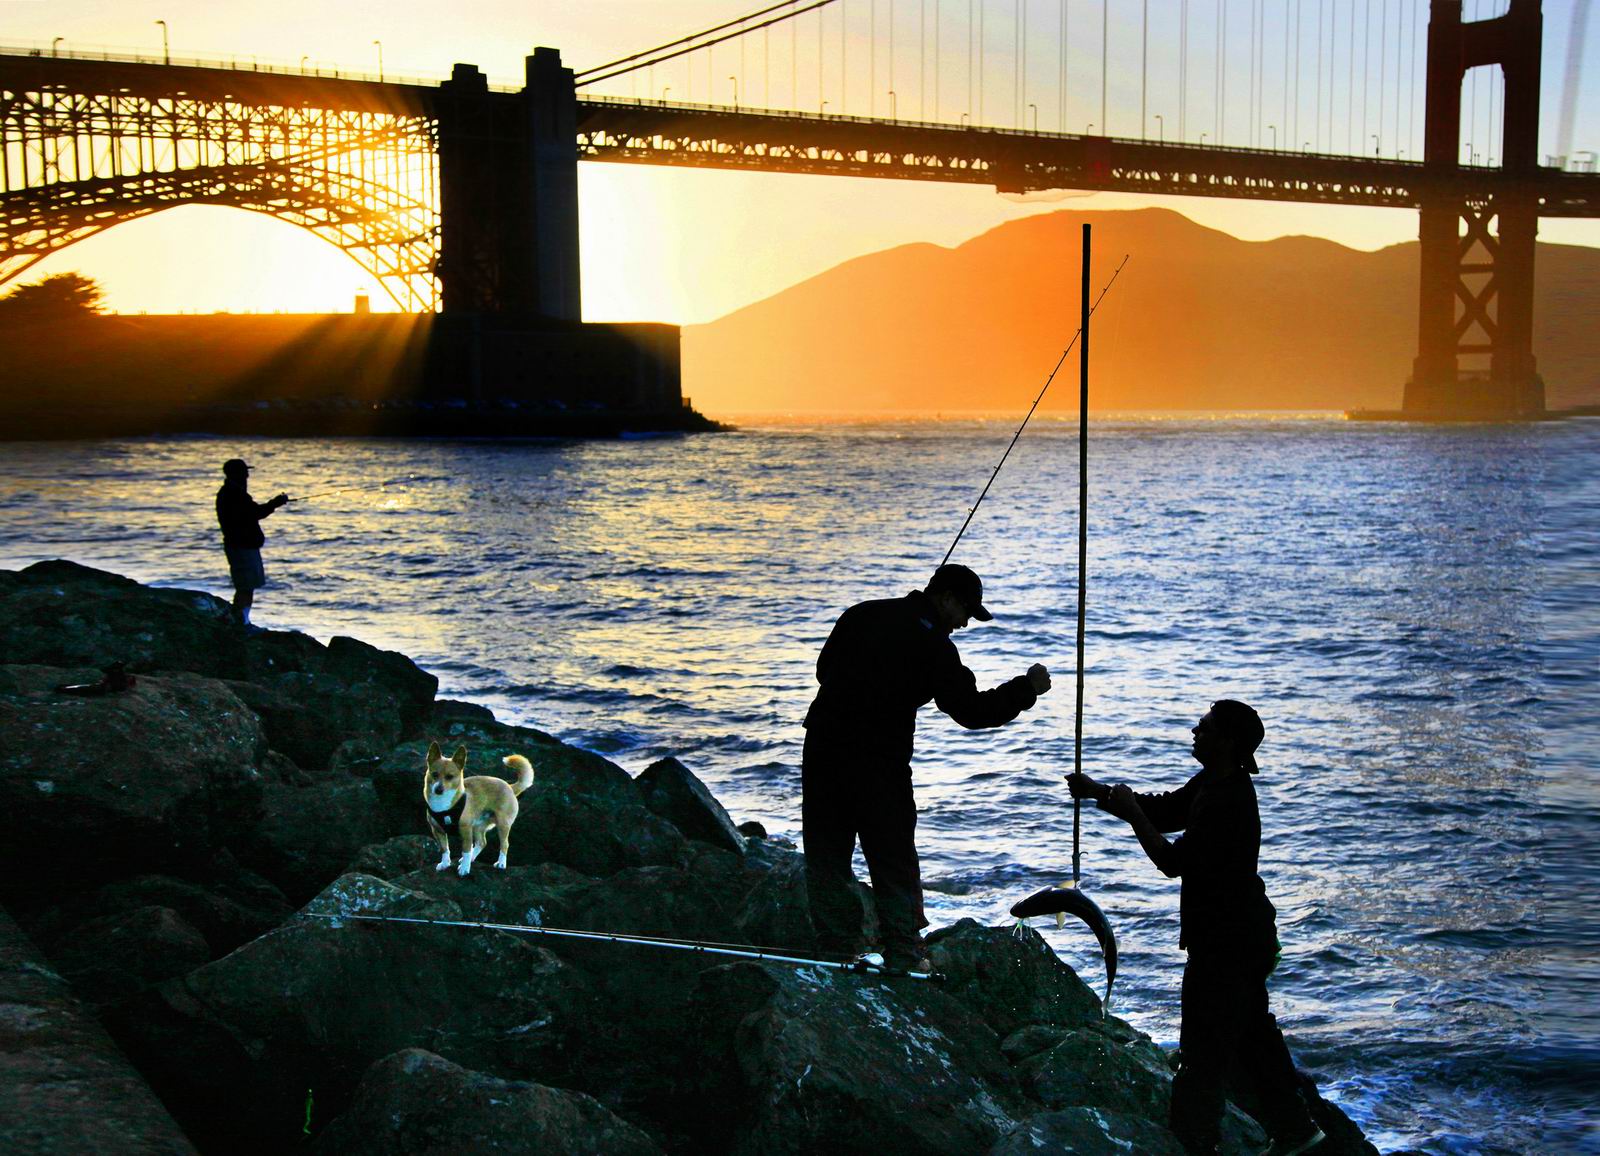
(1199, 320)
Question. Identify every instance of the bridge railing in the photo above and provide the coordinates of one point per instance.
(307, 68)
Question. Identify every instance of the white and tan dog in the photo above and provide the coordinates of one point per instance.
(473, 806)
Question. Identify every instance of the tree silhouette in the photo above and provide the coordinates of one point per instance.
(62, 297)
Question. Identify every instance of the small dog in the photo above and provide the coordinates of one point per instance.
(475, 806)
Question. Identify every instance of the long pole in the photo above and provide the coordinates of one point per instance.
(1083, 535)
(698, 947)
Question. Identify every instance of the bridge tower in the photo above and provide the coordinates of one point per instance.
(508, 194)
(1462, 260)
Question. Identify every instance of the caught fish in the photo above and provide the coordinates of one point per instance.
(1059, 901)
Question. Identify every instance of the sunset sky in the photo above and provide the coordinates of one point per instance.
(689, 246)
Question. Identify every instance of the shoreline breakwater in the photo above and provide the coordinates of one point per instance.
(177, 848)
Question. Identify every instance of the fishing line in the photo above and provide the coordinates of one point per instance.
(973, 509)
(352, 489)
(857, 966)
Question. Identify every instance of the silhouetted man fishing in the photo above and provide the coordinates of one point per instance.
(883, 661)
(1228, 926)
(240, 516)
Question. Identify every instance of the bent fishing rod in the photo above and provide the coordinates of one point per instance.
(1082, 330)
(857, 966)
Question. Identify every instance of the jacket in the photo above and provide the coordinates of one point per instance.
(883, 661)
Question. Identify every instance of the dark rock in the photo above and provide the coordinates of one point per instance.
(319, 721)
(752, 829)
(415, 1102)
(446, 710)
(396, 857)
(225, 903)
(1011, 977)
(1088, 1132)
(357, 664)
(1032, 1040)
(112, 957)
(159, 777)
(65, 1090)
(1089, 1070)
(839, 1063)
(62, 614)
(313, 1003)
(672, 791)
(308, 836)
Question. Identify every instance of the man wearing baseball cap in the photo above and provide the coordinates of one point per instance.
(883, 660)
(1228, 926)
(240, 516)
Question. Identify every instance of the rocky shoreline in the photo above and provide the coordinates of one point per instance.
(177, 850)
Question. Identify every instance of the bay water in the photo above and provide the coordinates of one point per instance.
(1415, 612)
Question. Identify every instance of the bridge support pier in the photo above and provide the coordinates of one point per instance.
(1476, 292)
(508, 193)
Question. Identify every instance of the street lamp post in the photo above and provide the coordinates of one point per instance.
(303, 60)
(664, 92)
(893, 113)
(1273, 129)
(1088, 129)
(1035, 115)
(964, 117)
(735, 80)
(822, 109)
(53, 44)
(1377, 146)
(166, 51)
(1161, 129)
(1202, 138)
(379, 43)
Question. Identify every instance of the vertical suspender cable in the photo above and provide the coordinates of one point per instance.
(1083, 536)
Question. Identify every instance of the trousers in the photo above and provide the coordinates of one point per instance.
(845, 797)
(1231, 1047)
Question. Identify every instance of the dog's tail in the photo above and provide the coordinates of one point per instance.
(524, 771)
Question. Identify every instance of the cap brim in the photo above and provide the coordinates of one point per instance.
(981, 613)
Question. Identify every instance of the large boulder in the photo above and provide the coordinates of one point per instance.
(225, 903)
(1088, 1132)
(152, 779)
(672, 791)
(308, 836)
(114, 956)
(313, 1003)
(1011, 977)
(830, 1062)
(415, 1103)
(62, 614)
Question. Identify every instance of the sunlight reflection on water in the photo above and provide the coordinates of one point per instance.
(1412, 609)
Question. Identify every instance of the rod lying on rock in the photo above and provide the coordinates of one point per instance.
(860, 965)
(1059, 901)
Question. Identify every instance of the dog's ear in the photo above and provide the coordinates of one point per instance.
(434, 754)
(460, 758)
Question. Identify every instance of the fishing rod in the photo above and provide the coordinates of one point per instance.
(1060, 901)
(857, 966)
(1083, 329)
(352, 489)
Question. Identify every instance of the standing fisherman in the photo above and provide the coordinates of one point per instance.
(1227, 925)
(884, 660)
(240, 516)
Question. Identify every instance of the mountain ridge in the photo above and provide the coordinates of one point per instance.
(1199, 320)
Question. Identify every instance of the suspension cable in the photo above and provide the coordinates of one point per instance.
(660, 56)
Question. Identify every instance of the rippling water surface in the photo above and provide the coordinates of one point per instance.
(1415, 612)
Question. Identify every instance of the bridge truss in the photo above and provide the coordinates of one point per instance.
(85, 146)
